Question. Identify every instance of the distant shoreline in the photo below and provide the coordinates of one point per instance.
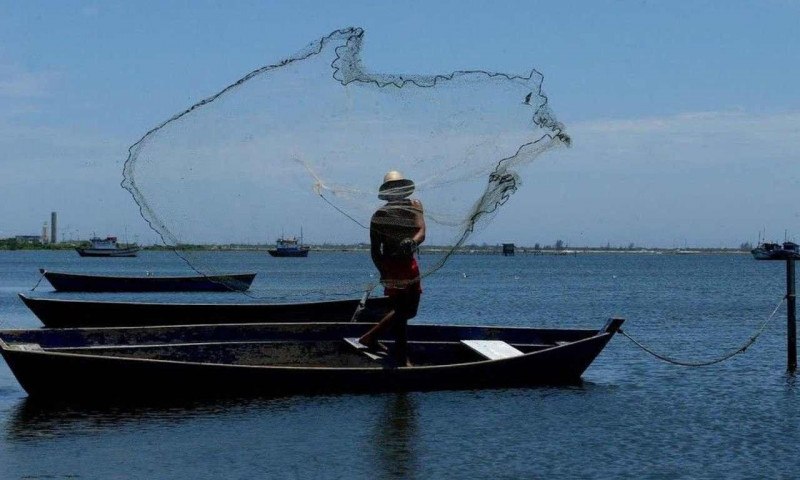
(364, 248)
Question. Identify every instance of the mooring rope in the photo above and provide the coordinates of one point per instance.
(713, 361)
(40, 280)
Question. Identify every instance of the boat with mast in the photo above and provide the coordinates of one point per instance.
(775, 251)
(107, 247)
(289, 247)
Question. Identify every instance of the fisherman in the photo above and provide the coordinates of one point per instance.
(396, 230)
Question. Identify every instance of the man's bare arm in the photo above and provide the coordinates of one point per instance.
(419, 219)
(375, 241)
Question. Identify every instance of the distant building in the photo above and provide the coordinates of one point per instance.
(53, 226)
(508, 249)
(33, 239)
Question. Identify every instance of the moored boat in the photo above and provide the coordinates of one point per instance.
(776, 251)
(284, 358)
(62, 313)
(289, 247)
(106, 247)
(73, 282)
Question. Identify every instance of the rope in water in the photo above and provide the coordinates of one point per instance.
(715, 360)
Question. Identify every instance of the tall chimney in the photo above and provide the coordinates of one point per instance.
(53, 225)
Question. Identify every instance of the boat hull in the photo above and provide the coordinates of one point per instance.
(775, 251)
(105, 252)
(303, 252)
(760, 254)
(68, 282)
(58, 313)
(278, 359)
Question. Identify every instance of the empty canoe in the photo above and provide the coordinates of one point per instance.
(62, 313)
(73, 282)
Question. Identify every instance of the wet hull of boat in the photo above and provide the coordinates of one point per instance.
(59, 313)
(300, 252)
(69, 282)
(279, 359)
(107, 252)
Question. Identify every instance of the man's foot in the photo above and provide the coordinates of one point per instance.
(394, 362)
(365, 349)
(372, 345)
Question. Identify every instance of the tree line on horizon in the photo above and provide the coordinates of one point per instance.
(559, 245)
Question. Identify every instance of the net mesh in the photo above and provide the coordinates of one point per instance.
(306, 143)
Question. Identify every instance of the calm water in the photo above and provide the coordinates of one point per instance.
(633, 416)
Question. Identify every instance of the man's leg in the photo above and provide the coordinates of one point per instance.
(370, 338)
(400, 328)
(405, 310)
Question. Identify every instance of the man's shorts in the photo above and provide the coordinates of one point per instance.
(401, 278)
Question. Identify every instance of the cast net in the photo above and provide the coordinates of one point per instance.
(305, 143)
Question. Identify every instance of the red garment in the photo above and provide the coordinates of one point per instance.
(401, 277)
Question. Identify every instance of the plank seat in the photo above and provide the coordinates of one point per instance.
(26, 347)
(492, 349)
(360, 347)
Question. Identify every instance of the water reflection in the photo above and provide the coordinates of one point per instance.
(791, 380)
(31, 419)
(394, 437)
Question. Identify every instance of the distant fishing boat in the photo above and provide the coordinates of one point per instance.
(106, 247)
(73, 282)
(776, 251)
(289, 247)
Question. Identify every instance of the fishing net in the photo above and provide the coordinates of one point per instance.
(305, 143)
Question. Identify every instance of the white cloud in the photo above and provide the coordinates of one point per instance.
(701, 138)
(90, 11)
(16, 82)
(706, 178)
(698, 123)
(66, 169)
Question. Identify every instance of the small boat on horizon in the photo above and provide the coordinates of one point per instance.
(107, 247)
(289, 247)
(74, 282)
(776, 251)
(267, 359)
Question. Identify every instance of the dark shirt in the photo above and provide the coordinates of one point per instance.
(393, 223)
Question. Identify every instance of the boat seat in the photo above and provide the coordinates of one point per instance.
(26, 347)
(492, 349)
(360, 347)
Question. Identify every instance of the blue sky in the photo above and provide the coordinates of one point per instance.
(685, 116)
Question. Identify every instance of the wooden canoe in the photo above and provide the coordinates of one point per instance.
(62, 313)
(73, 282)
(154, 363)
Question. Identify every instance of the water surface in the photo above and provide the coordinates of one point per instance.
(633, 416)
